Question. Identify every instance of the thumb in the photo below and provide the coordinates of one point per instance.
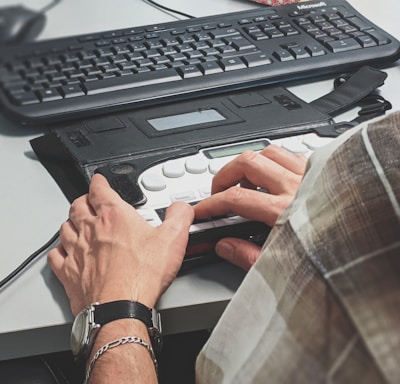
(178, 218)
(238, 252)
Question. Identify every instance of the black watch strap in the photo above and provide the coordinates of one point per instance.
(123, 309)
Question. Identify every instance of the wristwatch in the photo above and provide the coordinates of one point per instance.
(88, 322)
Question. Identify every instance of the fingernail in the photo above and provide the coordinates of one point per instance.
(224, 249)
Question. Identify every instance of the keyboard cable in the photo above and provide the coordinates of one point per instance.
(44, 248)
(50, 6)
(165, 8)
(56, 236)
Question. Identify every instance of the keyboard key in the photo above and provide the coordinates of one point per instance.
(26, 98)
(283, 55)
(183, 196)
(360, 24)
(225, 32)
(366, 41)
(290, 31)
(174, 169)
(210, 67)
(274, 33)
(16, 89)
(49, 95)
(196, 165)
(315, 50)
(240, 43)
(313, 141)
(299, 52)
(343, 45)
(256, 59)
(193, 54)
(294, 146)
(71, 91)
(232, 64)
(378, 37)
(126, 82)
(153, 182)
(157, 56)
(189, 71)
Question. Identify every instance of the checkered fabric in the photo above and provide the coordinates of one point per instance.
(276, 2)
(322, 303)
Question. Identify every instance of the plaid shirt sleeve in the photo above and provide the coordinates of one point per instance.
(322, 303)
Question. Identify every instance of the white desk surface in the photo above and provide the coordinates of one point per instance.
(34, 312)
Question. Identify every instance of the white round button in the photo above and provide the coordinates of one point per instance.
(153, 182)
(294, 146)
(215, 165)
(196, 164)
(174, 168)
(313, 141)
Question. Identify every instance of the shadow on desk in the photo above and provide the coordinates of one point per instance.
(12, 128)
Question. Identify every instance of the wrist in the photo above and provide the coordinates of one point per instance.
(145, 294)
(99, 318)
(117, 329)
(122, 351)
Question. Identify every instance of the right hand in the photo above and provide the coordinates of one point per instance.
(109, 252)
(274, 170)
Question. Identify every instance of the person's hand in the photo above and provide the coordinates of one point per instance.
(109, 252)
(274, 171)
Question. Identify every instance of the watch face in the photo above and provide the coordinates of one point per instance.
(80, 332)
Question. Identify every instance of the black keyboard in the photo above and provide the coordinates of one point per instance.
(60, 79)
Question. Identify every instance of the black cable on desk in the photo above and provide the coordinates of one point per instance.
(50, 6)
(29, 260)
(165, 8)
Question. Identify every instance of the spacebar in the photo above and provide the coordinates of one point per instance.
(130, 81)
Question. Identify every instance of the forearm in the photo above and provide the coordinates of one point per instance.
(128, 363)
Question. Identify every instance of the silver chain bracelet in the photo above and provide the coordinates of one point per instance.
(117, 343)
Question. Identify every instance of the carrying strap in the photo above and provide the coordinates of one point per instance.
(351, 90)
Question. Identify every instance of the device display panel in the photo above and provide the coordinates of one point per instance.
(235, 149)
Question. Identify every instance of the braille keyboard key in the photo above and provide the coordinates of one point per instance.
(127, 82)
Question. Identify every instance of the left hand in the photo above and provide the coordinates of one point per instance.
(109, 252)
(275, 170)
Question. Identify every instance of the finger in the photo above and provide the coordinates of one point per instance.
(68, 236)
(80, 208)
(101, 194)
(178, 218)
(253, 205)
(258, 170)
(56, 259)
(238, 252)
(295, 163)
